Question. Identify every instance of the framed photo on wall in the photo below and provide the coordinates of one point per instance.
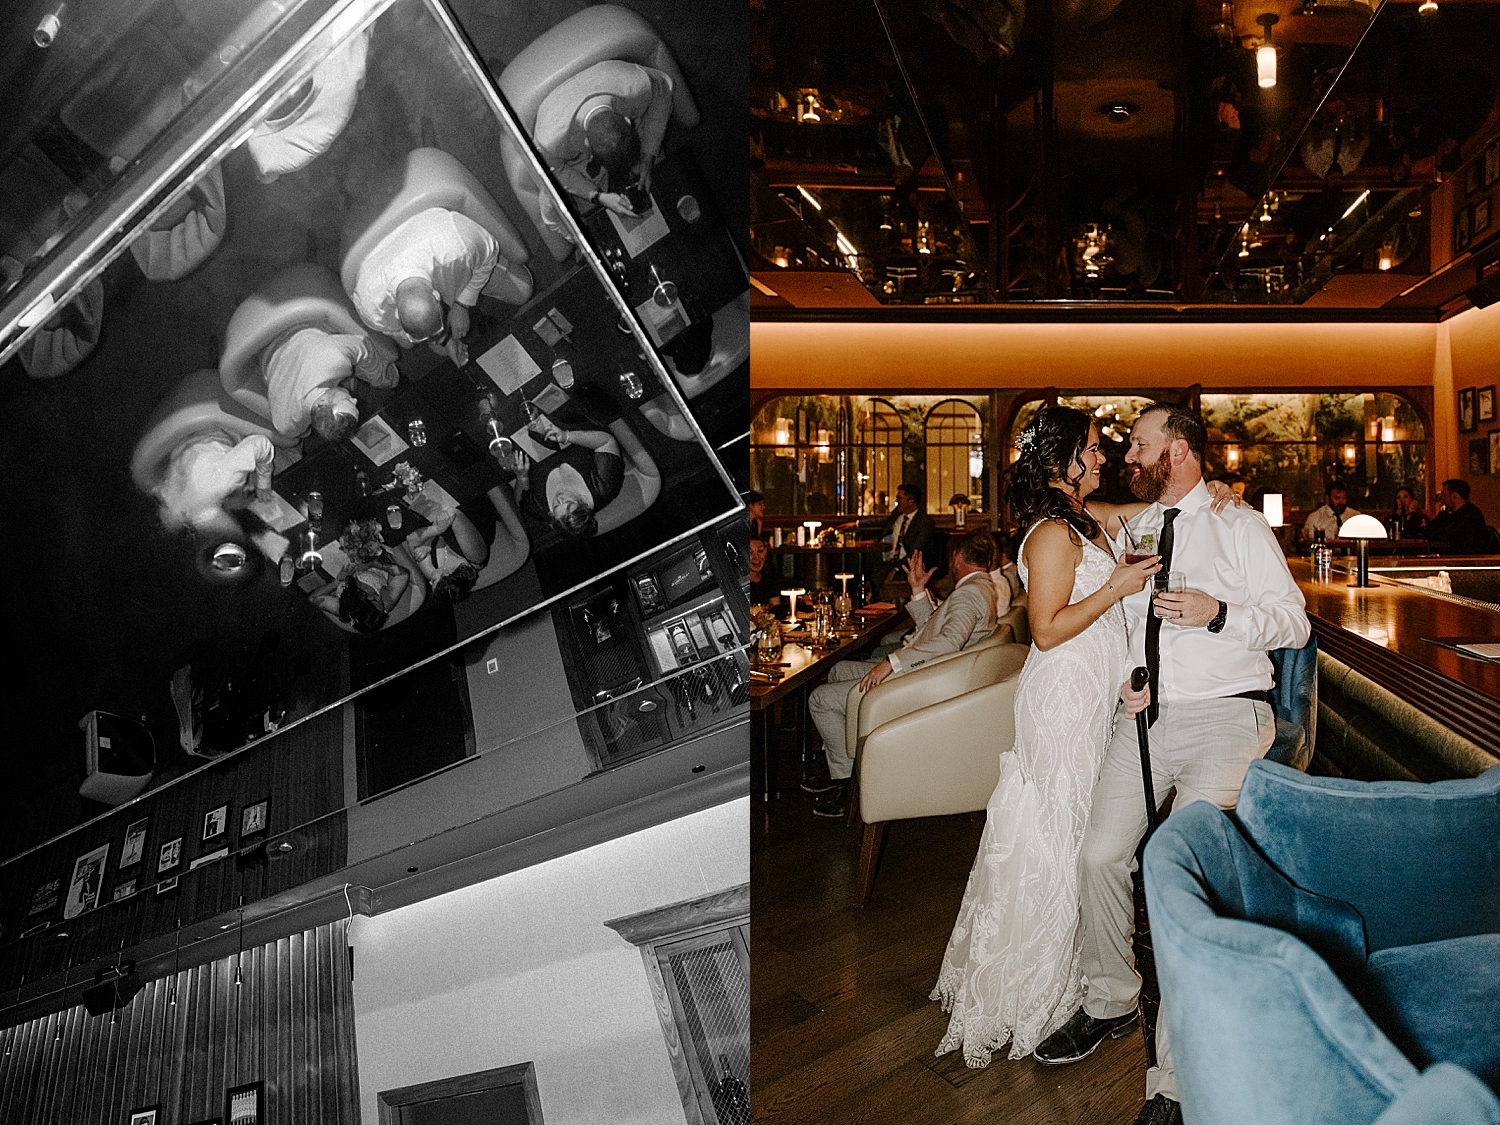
(1462, 228)
(255, 817)
(1481, 217)
(1484, 403)
(1479, 457)
(45, 896)
(215, 821)
(169, 856)
(242, 1104)
(1494, 450)
(1492, 163)
(1473, 177)
(146, 1115)
(1466, 421)
(87, 882)
(135, 843)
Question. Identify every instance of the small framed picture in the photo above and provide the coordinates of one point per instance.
(1481, 217)
(135, 843)
(169, 856)
(87, 882)
(1494, 450)
(215, 821)
(123, 890)
(166, 885)
(1462, 228)
(254, 818)
(1479, 457)
(1484, 403)
(1492, 163)
(242, 1104)
(1473, 177)
(146, 1115)
(1466, 421)
(45, 897)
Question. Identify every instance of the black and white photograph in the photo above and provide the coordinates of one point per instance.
(45, 897)
(165, 886)
(1463, 228)
(169, 856)
(1492, 163)
(1466, 419)
(242, 1104)
(1495, 451)
(134, 846)
(124, 889)
(1481, 217)
(1484, 403)
(87, 881)
(254, 817)
(215, 821)
(147, 1115)
(1479, 456)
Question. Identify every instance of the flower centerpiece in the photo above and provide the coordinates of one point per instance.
(361, 541)
(408, 479)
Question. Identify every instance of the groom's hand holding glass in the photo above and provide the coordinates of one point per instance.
(1191, 609)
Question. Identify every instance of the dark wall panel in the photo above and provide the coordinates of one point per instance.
(288, 1022)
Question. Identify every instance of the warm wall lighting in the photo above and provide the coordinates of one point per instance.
(1265, 54)
(1427, 7)
(782, 436)
(1351, 456)
(807, 195)
(824, 441)
(1232, 457)
(1271, 506)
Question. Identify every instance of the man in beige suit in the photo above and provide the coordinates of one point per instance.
(965, 619)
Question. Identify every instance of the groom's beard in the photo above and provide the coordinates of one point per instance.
(1150, 481)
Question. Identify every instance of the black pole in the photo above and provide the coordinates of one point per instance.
(1138, 680)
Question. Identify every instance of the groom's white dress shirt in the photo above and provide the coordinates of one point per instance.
(1231, 555)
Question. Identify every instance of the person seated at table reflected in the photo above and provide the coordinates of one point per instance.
(600, 132)
(755, 514)
(1408, 520)
(567, 488)
(307, 371)
(364, 595)
(211, 474)
(765, 588)
(449, 553)
(420, 281)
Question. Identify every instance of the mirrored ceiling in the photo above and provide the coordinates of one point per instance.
(1168, 152)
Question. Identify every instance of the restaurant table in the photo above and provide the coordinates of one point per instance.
(804, 665)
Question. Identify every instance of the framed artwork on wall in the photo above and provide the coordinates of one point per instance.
(1479, 457)
(1484, 403)
(87, 882)
(169, 856)
(255, 817)
(1473, 177)
(242, 1104)
(1466, 421)
(146, 1115)
(1492, 163)
(123, 890)
(135, 843)
(1462, 228)
(1481, 216)
(215, 821)
(1494, 450)
(45, 896)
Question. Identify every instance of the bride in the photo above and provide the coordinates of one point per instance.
(1011, 972)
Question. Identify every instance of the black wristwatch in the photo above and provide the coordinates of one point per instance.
(1217, 624)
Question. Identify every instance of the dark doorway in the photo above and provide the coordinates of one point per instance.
(505, 1096)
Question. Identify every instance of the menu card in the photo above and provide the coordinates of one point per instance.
(377, 441)
(509, 365)
(276, 513)
(662, 322)
(638, 232)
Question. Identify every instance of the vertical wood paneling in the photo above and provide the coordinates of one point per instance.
(290, 1024)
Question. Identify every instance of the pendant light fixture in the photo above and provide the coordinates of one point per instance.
(1265, 54)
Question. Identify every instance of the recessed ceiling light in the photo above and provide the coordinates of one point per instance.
(1117, 113)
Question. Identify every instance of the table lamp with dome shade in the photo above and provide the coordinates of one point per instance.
(1362, 529)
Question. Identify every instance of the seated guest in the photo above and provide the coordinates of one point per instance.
(305, 372)
(1461, 528)
(965, 619)
(1408, 520)
(567, 488)
(1331, 516)
(908, 529)
(212, 473)
(600, 131)
(765, 589)
(364, 595)
(755, 513)
(420, 281)
(1006, 577)
(451, 550)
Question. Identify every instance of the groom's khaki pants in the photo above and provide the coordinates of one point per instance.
(1203, 748)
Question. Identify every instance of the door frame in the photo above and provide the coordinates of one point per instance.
(392, 1102)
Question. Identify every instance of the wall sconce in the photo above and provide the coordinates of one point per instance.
(1271, 506)
(824, 441)
(1351, 455)
(1388, 428)
(1232, 457)
(1265, 54)
(976, 457)
(1427, 7)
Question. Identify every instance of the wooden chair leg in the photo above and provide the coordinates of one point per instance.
(851, 797)
(869, 857)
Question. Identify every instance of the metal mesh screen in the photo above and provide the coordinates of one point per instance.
(715, 995)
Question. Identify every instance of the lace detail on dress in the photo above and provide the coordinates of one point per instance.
(1011, 970)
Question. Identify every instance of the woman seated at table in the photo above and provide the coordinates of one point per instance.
(765, 588)
(212, 474)
(584, 472)
(450, 551)
(366, 592)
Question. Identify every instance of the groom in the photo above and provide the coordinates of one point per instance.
(1210, 713)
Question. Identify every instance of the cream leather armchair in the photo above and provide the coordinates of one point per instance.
(1017, 619)
(941, 758)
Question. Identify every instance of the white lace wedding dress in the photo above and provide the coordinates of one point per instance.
(1011, 969)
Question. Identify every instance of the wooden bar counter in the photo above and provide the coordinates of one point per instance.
(1381, 632)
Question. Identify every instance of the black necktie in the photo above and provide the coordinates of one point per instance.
(1153, 623)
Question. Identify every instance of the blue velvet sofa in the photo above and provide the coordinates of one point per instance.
(1330, 952)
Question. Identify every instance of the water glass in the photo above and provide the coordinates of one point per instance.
(416, 432)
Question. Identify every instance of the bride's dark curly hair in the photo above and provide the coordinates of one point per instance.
(1050, 449)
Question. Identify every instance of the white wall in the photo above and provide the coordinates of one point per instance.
(522, 968)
